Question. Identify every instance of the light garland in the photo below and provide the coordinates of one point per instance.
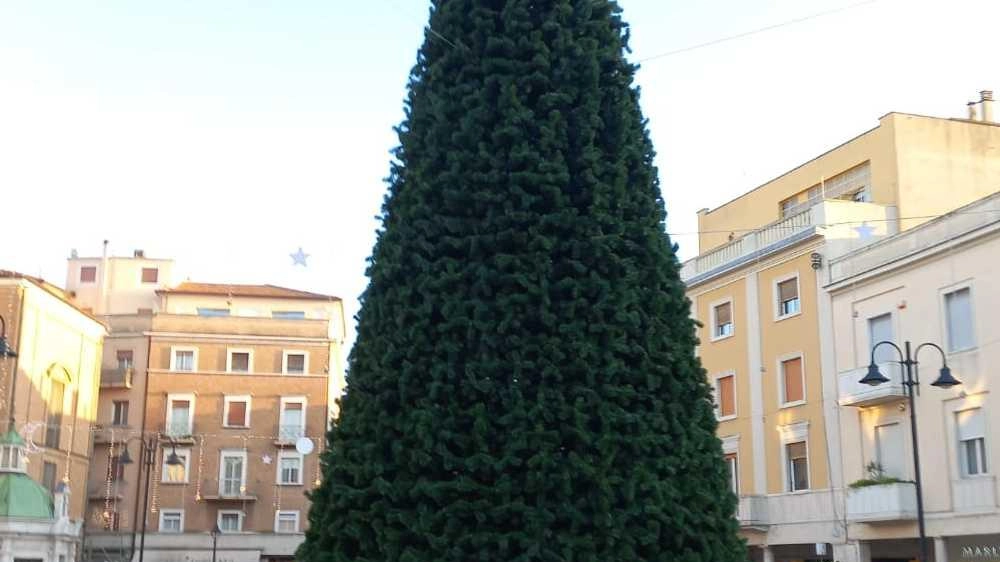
(201, 465)
(158, 465)
(108, 482)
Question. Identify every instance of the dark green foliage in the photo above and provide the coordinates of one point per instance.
(524, 387)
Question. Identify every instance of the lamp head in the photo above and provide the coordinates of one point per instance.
(874, 376)
(945, 379)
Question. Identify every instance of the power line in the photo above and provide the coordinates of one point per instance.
(756, 31)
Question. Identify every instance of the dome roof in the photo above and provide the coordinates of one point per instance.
(20, 496)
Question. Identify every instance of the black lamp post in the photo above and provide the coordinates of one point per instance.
(944, 380)
(147, 458)
(215, 539)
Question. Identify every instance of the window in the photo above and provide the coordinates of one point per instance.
(11, 458)
(788, 206)
(798, 466)
(792, 382)
(88, 274)
(295, 362)
(288, 314)
(57, 395)
(180, 414)
(725, 396)
(110, 520)
(290, 468)
(880, 330)
(733, 468)
(178, 473)
(213, 312)
(119, 412)
(722, 320)
(49, 475)
(124, 357)
(117, 469)
(889, 449)
(958, 315)
(239, 361)
(236, 411)
(232, 473)
(184, 359)
(171, 520)
(972, 442)
(788, 297)
(230, 521)
(292, 421)
(150, 275)
(286, 522)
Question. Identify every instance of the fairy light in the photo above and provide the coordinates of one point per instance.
(201, 465)
(156, 468)
(108, 482)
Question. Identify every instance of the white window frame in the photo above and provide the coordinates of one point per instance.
(944, 317)
(115, 411)
(173, 358)
(285, 400)
(230, 398)
(170, 408)
(239, 514)
(793, 433)
(298, 520)
(229, 359)
(732, 314)
(164, 466)
(960, 458)
(776, 296)
(284, 361)
(780, 370)
(731, 446)
(164, 512)
(242, 453)
(302, 466)
(718, 398)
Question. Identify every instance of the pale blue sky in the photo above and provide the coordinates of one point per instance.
(226, 134)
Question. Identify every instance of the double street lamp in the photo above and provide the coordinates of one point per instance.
(147, 458)
(912, 379)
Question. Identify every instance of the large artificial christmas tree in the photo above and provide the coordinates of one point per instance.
(524, 385)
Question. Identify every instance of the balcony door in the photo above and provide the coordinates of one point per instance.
(889, 449)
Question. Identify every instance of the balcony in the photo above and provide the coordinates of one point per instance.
(978, 493)
(853, 393)
(230, 490)
(882, 503)
(116, 377)
(179, 432)
(288, 434)
(835, 220)
(752, 511)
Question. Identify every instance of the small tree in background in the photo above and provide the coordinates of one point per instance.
(524, 385)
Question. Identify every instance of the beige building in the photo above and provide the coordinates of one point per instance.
(756, 287)
(935, 283)
(48, 397)
(236, 385)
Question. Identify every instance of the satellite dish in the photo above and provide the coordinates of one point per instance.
(304, 445)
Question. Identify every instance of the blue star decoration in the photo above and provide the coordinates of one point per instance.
(865, 231)
(299, 258)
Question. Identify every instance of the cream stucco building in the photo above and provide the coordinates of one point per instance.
(935, 283)
(767, 342)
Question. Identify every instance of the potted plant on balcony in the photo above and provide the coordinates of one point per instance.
(876, 477)
(880, 497)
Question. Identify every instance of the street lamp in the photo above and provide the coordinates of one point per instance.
(874, 377)
(215, 538)
(147, 457)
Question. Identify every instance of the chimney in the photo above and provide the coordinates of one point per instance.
(986, 100)
(139, 254)
(972, 110)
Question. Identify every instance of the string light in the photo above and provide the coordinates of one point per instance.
(201, 465)
(155, 467)
(108, 481)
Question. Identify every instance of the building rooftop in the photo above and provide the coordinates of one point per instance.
(53, 290)
(235, 290)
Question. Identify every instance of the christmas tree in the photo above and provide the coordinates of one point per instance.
(524, 384)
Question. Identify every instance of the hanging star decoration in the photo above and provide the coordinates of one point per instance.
(865, 231)
(299, 258)
(266, 459)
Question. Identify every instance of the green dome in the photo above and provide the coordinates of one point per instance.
(20, 496)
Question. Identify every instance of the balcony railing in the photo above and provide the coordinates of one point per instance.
(179, 429)
(885, 502)
(291, 432)
(116, 377)
(978, 493)
(752, 511)
(853, 393)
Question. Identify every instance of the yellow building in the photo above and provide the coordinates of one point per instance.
(48, 394)
(766, 335)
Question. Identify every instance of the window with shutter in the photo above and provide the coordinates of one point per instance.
(793, 385)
